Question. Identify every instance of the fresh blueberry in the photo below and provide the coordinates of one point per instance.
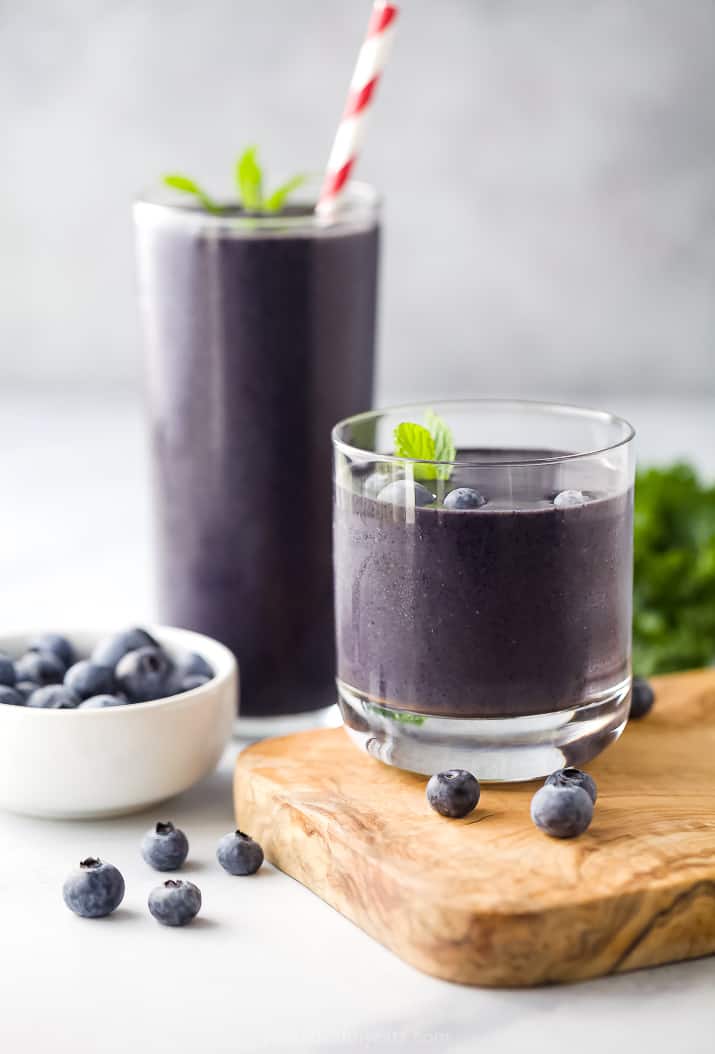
(238, 854)
(101, 702)
(95, 890)
(177, 684)
(111, 649)
(7, 670)
(175, 903)
(376, 482)
(561, 811)
(26, 688)
(568, 499)
(42, 667)
(86, 679)
(642, 698)
(144, 674)
(402, 492)
(53, 697)
(194, 665)
(453, 793)
(464, 498)
(165, 847)
(11, 696)
(57, 645)
(573, 778)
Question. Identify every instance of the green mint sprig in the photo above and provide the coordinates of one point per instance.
(431, 443)
(248, 176)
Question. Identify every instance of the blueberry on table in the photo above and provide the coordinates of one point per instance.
(111, 649)
(102, 702)
(53, 697)
(57, 645)
(86, 679)
(402, 492)
(165, 847)
(175, 903)
(464, 498)
(239, 854)
(453, 793)
(570, 777)
(562, 811)
(95, 890)
(642, 698)
(7, 670)
(144, 674)
(41, 667)
(569, 499)
(10, 696)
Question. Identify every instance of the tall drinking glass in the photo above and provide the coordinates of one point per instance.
(483, 606)
(259, 333)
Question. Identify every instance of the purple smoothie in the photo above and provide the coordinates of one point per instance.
(514, 608)
(259, 338)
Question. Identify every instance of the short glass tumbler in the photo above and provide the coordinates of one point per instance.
(483, 605)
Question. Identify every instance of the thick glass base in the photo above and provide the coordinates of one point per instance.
(507, 749)
(254, 728)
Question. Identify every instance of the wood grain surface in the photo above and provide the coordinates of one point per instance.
(490, 900)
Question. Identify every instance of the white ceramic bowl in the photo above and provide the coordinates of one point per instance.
(83, 764)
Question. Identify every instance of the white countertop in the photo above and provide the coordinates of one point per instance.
(267, 965)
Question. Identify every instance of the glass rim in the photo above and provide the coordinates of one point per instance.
(359, 202)
(553, 408)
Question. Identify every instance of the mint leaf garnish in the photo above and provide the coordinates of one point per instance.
(275, 201)
(190, 186)
(249, 180)
(434, 443)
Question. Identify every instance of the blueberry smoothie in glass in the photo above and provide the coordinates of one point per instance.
(260, 329)
(483, 565)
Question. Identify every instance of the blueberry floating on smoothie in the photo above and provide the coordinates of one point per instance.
(464, 498)
(95, 890)
(53, 697)
(642, 698)
(570, 777)
(87, 678)
(569, 499)
(41, 667)
(402, 492)
(562, 811)
(175, 903)
(165, 847)
(11, 696)
(239, 854)
(453, 793)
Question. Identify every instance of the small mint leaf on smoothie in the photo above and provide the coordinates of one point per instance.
(249, 180)
(444, 448)
(414, 441)
(190, 186)
(275, 201)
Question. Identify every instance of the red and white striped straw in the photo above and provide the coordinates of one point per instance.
(351, 130)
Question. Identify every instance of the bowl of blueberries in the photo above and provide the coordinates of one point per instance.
(96, 725)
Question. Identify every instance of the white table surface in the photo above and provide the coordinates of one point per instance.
(267, 966)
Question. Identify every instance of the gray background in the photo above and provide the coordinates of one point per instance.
(549, 171)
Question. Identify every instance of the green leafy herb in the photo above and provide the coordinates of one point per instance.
(249, 180)
(248, 176)
(674, 595)
(189, 186)
(433, 443)
(396, 715)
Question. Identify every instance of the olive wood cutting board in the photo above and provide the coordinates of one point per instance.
(490, 900)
